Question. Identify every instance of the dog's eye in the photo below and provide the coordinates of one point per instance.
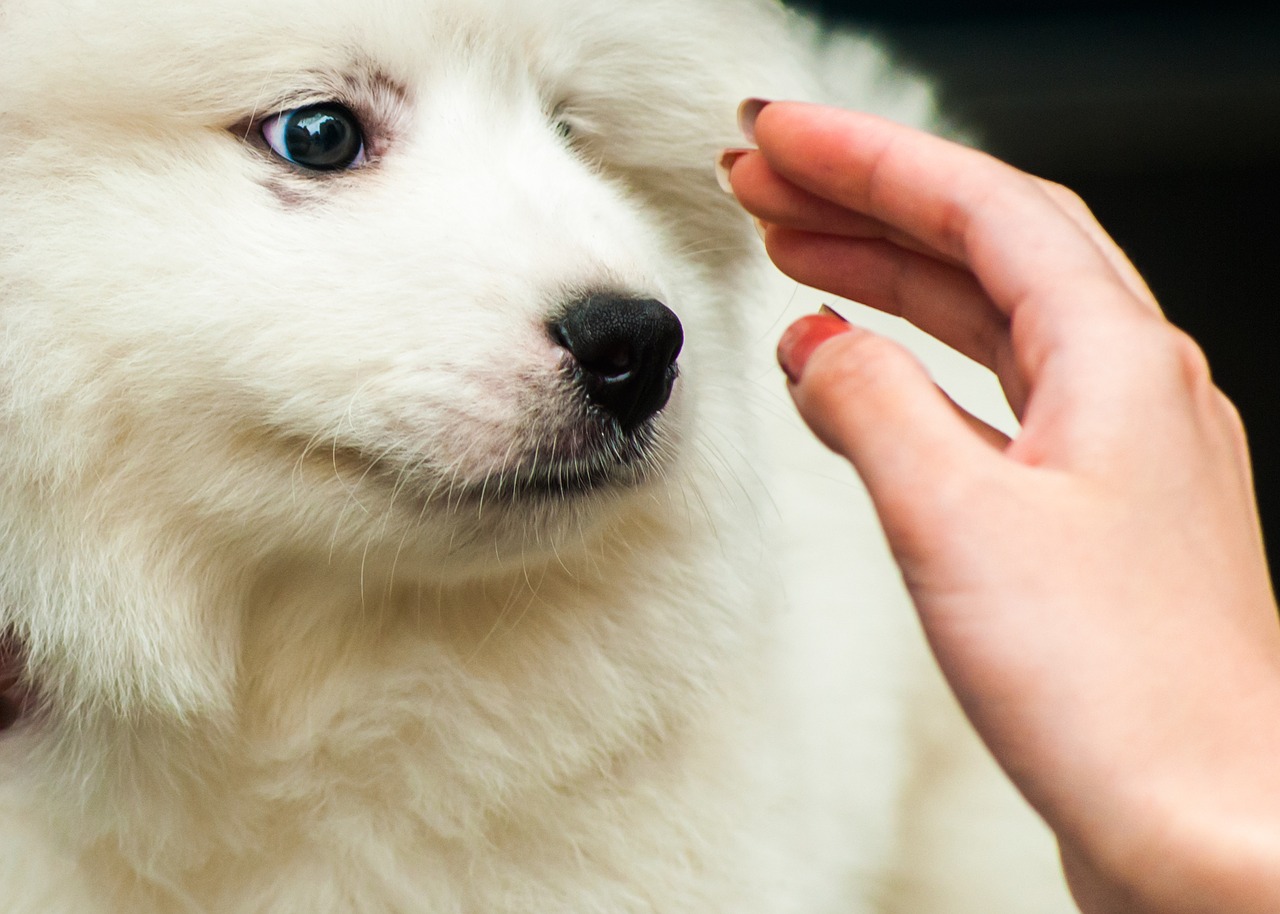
(323, 137)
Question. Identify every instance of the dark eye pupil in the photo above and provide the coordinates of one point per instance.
(322, 137)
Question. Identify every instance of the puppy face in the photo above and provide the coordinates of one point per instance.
(292, 278)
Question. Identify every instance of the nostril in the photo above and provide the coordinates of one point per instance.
(625, 350)
(615, 362)
(589, 355)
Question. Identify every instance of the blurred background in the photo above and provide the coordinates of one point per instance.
(1166, 119)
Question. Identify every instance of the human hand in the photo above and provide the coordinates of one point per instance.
(1094, 589)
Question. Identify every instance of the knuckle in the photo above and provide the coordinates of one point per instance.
(1233, 421)
(1191, 361)
(1067, 198)
(954, 223)
(1162, 350)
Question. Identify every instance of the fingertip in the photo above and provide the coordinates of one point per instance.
(724, 167)
(804, 336)
(873, 401)
(748, 111)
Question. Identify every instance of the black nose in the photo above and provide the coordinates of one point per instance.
(626, 351)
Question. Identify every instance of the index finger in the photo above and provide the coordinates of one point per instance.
(965, 205)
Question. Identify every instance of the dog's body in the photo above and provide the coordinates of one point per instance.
(331, 580)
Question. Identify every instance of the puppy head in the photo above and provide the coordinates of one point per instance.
(429, 287)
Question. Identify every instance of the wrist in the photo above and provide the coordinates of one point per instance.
(1209, 868)
(1198, 838)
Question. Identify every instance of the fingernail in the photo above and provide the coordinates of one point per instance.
(803, 337)
(762, 228)
(827, 309)
(724, 165)
(748, 111)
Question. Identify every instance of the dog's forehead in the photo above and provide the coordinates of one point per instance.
(214, 59)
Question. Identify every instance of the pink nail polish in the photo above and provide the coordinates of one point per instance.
(724, 165)
(748, 111)
(803, 337)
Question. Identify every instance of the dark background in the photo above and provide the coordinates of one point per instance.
(1166, 119)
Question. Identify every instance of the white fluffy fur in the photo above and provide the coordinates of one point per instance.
(285, 663)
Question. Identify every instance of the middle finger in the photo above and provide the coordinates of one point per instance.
(944, 301)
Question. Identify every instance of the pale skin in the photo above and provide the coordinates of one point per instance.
(1095, 588)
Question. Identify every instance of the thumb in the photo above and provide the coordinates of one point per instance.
(870, 400)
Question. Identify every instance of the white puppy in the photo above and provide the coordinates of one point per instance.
(397, 509)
